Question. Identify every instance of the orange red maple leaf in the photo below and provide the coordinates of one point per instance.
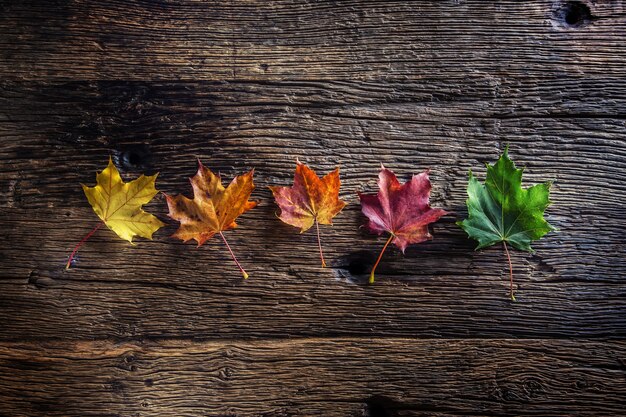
(310, 201)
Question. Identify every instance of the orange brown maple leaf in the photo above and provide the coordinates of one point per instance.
(213, 208)
(310, 201)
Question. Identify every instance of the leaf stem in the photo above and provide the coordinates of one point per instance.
(71, 258)
(508, 256)
(243, 272)
(319, 244)
(371, 281)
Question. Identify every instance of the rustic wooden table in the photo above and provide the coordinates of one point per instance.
(165, 329)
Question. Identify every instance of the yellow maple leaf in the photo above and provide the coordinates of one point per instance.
(118, 204)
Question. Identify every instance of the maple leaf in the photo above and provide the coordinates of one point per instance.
(310, 200)
(118, 205)
(500, 210)
(402, 210)
(213, 209)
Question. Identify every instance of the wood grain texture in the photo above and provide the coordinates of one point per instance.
(571, 286)
(164, 329)
(289, 39)
(337, 377)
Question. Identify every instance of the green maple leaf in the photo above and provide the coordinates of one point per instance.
(500, 210)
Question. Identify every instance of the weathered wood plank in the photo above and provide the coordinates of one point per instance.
(133, 302)
(291, 39)
(55, 136)
(330, 377)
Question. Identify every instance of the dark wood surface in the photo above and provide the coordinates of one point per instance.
(164, 329)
